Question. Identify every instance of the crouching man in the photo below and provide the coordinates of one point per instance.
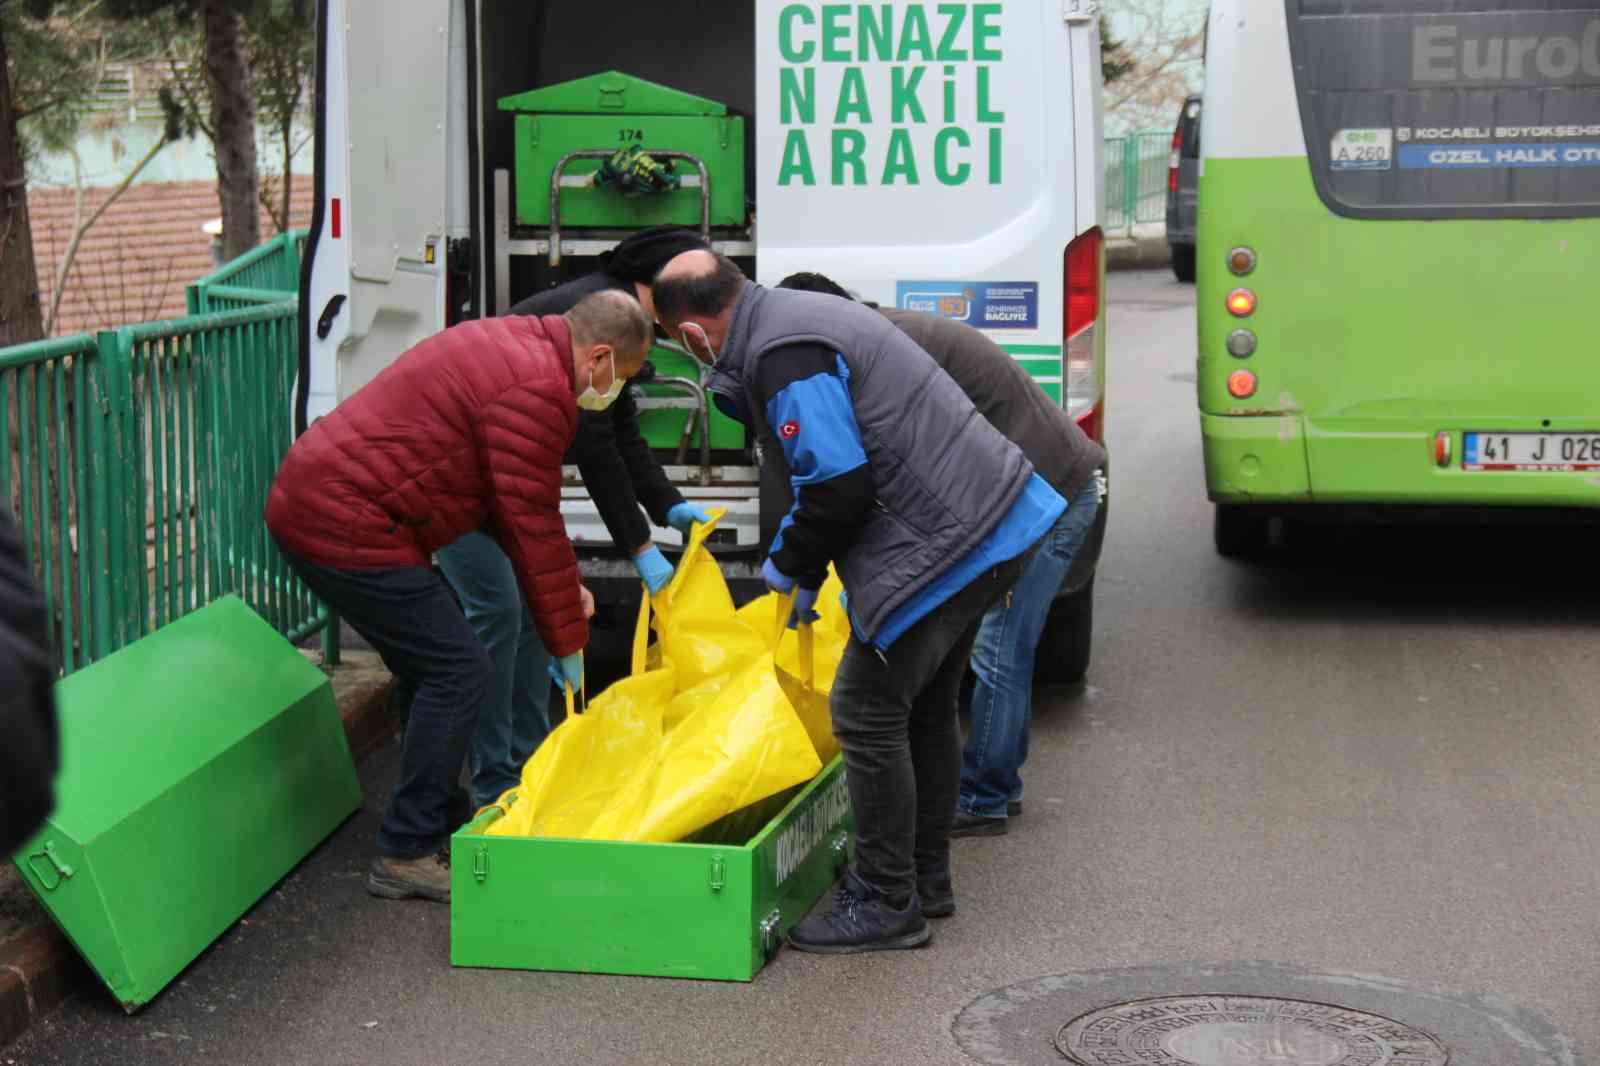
(464, 432)
(927, 512)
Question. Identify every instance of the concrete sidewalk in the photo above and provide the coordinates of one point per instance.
(1142, 248)
(38, 966)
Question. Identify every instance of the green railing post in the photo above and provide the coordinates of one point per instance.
(1130, 179)
(330, 637)
(116, 373)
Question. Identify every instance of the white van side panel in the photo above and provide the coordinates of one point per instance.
(965, 186)
(386, 162)
(1089, 126)
(1251, 111)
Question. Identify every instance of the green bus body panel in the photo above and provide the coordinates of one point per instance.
(1373, 336)
(1255, 458)
(200, 764)
(663, 910)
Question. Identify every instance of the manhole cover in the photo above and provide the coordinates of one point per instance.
(1258, 1014)
(1243, 1031)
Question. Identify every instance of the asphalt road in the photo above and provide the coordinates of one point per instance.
(1362, 772)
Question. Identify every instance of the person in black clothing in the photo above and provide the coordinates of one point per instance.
(29, 752)
(621, 475)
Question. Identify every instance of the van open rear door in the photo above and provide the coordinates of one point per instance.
(376, 252)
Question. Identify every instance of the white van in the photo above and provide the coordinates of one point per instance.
(941, 156)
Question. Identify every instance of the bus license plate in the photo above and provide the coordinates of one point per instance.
(1531, 451)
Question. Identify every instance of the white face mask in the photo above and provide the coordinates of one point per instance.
(590, 400)
(698, 342)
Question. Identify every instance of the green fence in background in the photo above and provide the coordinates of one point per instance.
(1136, 178)
(263, 275)
(138, 463)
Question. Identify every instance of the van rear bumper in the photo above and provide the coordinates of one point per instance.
(1292, 458)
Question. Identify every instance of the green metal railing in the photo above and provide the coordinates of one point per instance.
(138, 462)
(54, 476)
(1136, 178)
(263, 275)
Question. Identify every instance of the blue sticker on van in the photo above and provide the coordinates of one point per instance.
(984, 304)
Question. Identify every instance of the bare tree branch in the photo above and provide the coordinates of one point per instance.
(80, 229)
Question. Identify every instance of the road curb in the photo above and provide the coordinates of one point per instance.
(1139, 253)
(38, 966)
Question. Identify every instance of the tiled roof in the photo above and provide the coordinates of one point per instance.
(133, 265)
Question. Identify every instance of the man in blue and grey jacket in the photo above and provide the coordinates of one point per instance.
(927, 512)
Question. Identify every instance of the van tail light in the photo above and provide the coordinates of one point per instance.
(1083, 280)
(1173, 159)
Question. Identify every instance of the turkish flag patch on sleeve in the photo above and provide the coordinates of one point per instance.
(789, 430)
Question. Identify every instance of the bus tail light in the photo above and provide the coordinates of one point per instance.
(1081, 286)
(1242, 260)
(1241, 302)
(1241, 384)
(1442, 448)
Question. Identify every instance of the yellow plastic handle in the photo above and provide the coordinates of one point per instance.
(802, 634)
(583, 697)
(641, 631)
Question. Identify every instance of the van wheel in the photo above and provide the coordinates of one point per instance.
(1183, 262)
(1240, 533)
(1062, 657)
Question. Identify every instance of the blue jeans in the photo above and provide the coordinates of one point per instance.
(407, 615)
(1002, 660)
(514, 719)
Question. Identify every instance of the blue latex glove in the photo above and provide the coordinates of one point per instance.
(654, 570)
(683, 516)
(776, 579)
(567, 671)
(844, 602)
(805, 600)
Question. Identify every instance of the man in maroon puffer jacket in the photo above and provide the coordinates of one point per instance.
(463, 432)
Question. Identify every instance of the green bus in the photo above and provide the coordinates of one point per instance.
(1398, 259)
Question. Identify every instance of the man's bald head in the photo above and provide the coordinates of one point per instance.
(611, 336)
(697, 283)
(613, 319)
(695, 294)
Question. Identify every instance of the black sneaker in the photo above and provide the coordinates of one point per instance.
(1013, 808)
(859, 922)
(968, 824)
(937, 894)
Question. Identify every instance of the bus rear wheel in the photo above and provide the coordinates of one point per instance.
(1239, 532)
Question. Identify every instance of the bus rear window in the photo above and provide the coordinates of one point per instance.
(1450, 108)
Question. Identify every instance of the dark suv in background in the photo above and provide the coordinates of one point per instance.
(1183, 185)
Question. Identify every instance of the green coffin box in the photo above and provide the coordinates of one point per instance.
(664, 428)
(701, 910)
(614, 110)
(198, 766)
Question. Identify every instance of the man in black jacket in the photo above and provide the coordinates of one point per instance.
(28, 745)
(621, 474)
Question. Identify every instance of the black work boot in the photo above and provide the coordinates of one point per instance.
(937, 893)
(861, 920)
